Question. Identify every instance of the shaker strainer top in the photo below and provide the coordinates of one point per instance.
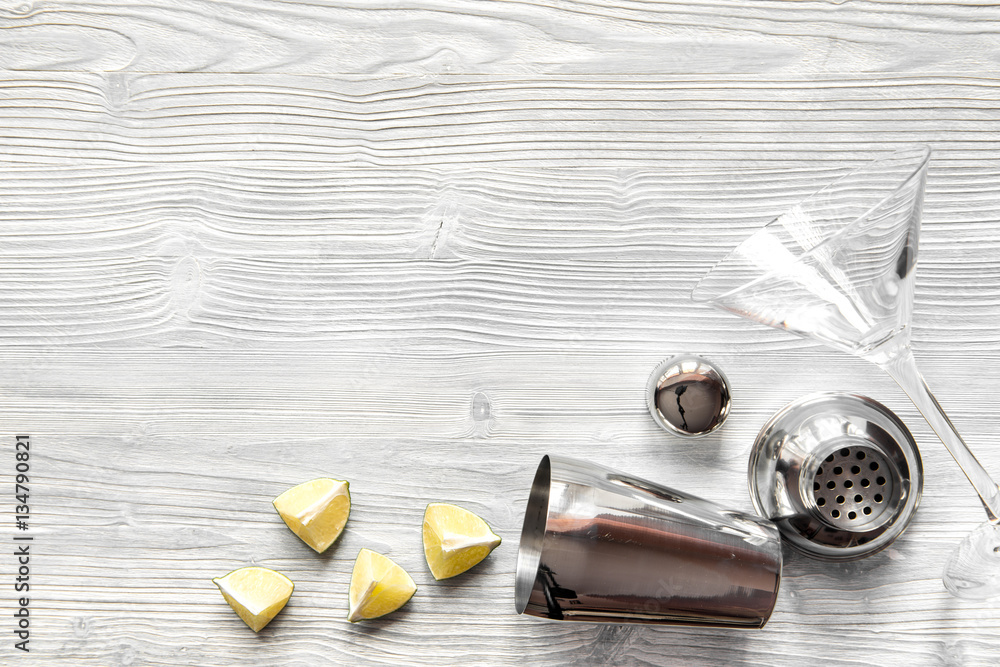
(838, 473)
(855, 486)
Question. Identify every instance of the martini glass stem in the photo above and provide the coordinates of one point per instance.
(903, 369)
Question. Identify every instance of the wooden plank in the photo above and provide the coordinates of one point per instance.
(464, 36)
(464, 121)
(388, 259)
(154, 472)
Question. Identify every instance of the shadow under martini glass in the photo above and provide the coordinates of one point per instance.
(839, 267)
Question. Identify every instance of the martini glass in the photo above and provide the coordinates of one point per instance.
(839, 267)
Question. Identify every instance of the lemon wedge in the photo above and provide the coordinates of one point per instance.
(378, 586)
(316, 511)
(257, 594)
(455, 539)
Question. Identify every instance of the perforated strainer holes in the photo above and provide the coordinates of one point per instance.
(851, 486)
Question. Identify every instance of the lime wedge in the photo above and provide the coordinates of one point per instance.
(378, 586)
(455, 539)
(316, 511)
(257, 594)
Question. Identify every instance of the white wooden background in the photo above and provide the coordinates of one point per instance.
(419, 244)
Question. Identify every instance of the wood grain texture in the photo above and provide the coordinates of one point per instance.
(183, 348)
(417, 246)
(391, 259)
(462, 121)
(155, 472)
(501, 37)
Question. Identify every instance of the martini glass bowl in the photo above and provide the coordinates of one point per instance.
(839, 267)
